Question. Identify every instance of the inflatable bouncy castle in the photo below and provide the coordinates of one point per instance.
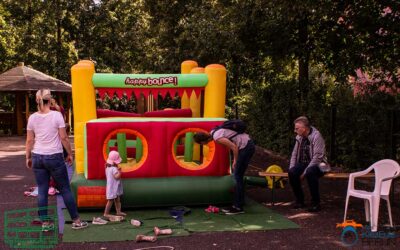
(162, 165)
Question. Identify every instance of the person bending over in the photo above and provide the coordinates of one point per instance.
(243, 149)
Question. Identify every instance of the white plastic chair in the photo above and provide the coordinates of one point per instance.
(385, 171)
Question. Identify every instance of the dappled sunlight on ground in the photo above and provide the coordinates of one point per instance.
(4, 154)
(302, 216)
(281, 204)
(12, 177)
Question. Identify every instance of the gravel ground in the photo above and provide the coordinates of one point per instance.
(317, 230)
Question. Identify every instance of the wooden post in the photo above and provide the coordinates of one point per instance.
(67, 108)
(18, 113)
(27, 114)
(332, 146)
(141, 104)
(60, 100)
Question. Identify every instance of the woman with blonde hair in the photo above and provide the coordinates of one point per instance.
(45, 139)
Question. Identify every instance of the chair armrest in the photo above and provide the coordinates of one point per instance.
(386, 179)
(389, 178)
(352, 176)
(361, 173)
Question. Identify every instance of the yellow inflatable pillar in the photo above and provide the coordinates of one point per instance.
(215, 91)
(195, 106)
(186, 67)
(195, 101)
(84, 105)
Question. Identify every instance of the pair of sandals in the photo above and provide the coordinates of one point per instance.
(157, 232)
(79, 225)
(49, 226)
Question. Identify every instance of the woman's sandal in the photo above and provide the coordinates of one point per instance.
(158, 231)
(79, 225)
(47, 227)
(142, 237)
(115, 218)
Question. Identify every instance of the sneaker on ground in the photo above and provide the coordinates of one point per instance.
(234, 210)
(226, 209)
(47, 227)
(298, 205)
(116, 218)
(136, 223)
(80, 225)
(99, 221)
(314, 208)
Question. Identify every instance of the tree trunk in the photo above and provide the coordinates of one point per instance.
(304, 58)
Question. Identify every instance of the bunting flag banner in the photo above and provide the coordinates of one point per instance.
(146, 91)
(101, 93)
(119, 93)
(163, 92)
(154, 94)
(197, 92)
(180, 91)
(137, 93)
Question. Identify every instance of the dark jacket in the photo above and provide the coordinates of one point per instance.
(317, 149)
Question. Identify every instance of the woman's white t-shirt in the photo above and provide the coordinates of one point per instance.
(45, 127)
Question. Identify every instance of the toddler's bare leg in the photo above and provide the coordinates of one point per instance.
(118, 207)
(108, 208)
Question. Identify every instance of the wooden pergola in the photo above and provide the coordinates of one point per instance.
(22, 81)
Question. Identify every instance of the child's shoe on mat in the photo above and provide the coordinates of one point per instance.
(116, 218)
(80, 225)
(141, 237)
(136, 223)
(47, 226)
(99, 221)
(158, 231)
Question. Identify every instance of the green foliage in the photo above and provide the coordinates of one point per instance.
(168, 102)
(8, 38)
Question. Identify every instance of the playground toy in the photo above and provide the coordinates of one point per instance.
(274, 169)
(161, 164)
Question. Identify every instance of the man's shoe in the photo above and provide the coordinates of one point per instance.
(226, 209)
(234, 210)
(314, 208)
(298, 205)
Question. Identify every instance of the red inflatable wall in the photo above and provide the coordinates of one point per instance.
(103, 113)
(169, 113)
(160, 138)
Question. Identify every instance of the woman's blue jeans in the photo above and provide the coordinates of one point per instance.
(53, 165)
(242, 162)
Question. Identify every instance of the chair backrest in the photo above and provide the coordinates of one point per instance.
(385, 169)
